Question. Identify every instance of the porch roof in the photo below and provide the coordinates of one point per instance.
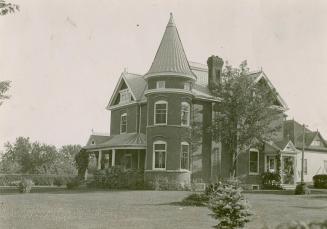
(121, 141)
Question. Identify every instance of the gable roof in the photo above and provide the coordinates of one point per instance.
(294, 132)
(170, 58)
(135, 83)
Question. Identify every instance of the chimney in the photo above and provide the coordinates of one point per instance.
(215, 65)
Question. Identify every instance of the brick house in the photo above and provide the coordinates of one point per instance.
(151, 118)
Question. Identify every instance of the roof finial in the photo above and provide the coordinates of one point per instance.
(171, 20)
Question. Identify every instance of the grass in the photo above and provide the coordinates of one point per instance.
(144, 209)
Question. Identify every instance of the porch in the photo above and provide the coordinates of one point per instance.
(126, 151)
(281, 158)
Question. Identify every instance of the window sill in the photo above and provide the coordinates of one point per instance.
(253, 174)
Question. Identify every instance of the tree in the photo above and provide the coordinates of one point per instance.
(245, 114)
(81, 162)
(4, 87)
(6, 8)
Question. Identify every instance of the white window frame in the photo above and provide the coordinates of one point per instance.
(257, 172)
(188, 156)
(268, 159)
(160, 84)
(121, 121)
(154, 154)
(187, 86)
(155, 112)
(124, 93)
(316, 143)
(188, 113)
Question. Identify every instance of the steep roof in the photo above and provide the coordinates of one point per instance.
(170, 58)
(294, 132)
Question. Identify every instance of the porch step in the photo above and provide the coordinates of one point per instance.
(288, 186)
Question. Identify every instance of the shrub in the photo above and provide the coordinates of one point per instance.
(74, 183)
(229, 207)
(302, 189)
(25, 186)
(58, 181)
(118, 178)
(271, 181)
(320, 181)
(195, 199)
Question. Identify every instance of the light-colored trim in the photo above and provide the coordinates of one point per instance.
(168, 90)
(193, 76)
(188, 158)
(121, 116)
(154, 154)
(168, 171)
(113, 157)
(118, 106)
(257, 151)
(99, 159)
(179, 126)
(155, 113)
(188, 115)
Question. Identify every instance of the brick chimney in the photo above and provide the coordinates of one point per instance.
(215, 65)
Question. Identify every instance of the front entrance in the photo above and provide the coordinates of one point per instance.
(288, 170)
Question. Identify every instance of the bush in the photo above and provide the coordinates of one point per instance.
(74, 183)
(320, 181)
(229, 207)
(271, 181)
(302, 189)
(303, 225)
(38, 179)
(118, 178)
(58, 181)
(195, 200)
(25, 186)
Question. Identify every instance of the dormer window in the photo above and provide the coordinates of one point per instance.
(316, 143)
(187, 86)
(161, 84)
(125, 96)
(93, 142)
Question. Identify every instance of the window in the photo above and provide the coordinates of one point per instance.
(160, 113)
(159, 155)
(185, 148)
(305, 166)
(185, 114)
(187, 86)
(316, 143)
(128, 161)
(125, 96)
(254, 161)
(271, 164)
(93, 142)
(161, 84)
(123, 123)
(325, 166)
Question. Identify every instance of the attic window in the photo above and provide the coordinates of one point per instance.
(316, 143)
(125, 96)
(161, 84)
(92, 142)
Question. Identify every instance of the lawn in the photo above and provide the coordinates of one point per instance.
(143, 209)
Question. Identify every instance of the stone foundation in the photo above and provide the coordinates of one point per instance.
(167, 180)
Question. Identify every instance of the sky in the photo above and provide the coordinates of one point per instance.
(64, 57)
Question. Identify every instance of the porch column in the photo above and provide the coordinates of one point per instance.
(99, 159)
(113, 157)
(281, 169)
(138, 158)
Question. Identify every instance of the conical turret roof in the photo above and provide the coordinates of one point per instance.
(170, 58)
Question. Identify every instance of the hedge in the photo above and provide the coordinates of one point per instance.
(37, 179)
(320, 181)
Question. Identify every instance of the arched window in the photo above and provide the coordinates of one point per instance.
(160, 113)
(159, 155)
(185, 114)
(123, 123)
(185, 155)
